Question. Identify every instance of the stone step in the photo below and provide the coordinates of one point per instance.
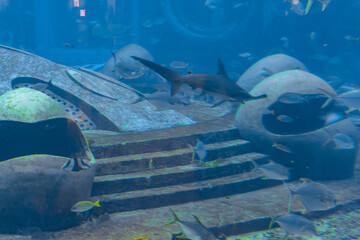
(245, 213)
(118, 183)
(183, 193)
(112, 145)
(172, 158)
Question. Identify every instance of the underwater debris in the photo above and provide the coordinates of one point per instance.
(84, 206)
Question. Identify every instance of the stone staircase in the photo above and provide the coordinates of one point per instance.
(125, 181)
(127, 186)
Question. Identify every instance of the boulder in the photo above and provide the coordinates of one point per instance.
(46, 165)
(305, 140)
(266, 67)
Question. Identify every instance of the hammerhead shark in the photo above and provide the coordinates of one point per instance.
(217, 84)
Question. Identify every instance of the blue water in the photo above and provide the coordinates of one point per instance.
(85, 33)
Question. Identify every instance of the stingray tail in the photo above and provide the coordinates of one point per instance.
(171, 76)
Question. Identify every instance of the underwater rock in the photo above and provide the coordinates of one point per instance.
(27, 105)
(37, 141)
(121, 113)
(307, 144)
(266, 67)
(37, 192)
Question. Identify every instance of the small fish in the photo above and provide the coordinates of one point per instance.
(42, 86)
(314, 196)
(192, 230)
(179, 65)
(275, 171)
(281, 147)
(84, 206)
(297, 7)
(245, 55)
(199, 150)
(285, 118)
(151, 165)
(312, 35)
(351, 38)
(286, 41)
(292, 98)
(343, 141)
(68, 45)
(220, 4)
(296, 224)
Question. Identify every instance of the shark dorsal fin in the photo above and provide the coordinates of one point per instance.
(221, 69)
(198, 221)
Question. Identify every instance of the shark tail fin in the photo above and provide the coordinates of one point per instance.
(175, 218)
(170, 75)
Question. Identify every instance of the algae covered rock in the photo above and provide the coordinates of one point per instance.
(27, 105)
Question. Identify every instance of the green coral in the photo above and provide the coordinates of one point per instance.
(28, 105)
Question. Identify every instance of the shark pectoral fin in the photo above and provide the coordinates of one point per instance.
(175, 86)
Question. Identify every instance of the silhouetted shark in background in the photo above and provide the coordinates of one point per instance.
(217, 84)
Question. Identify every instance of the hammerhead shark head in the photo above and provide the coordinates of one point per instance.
(217, 84)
